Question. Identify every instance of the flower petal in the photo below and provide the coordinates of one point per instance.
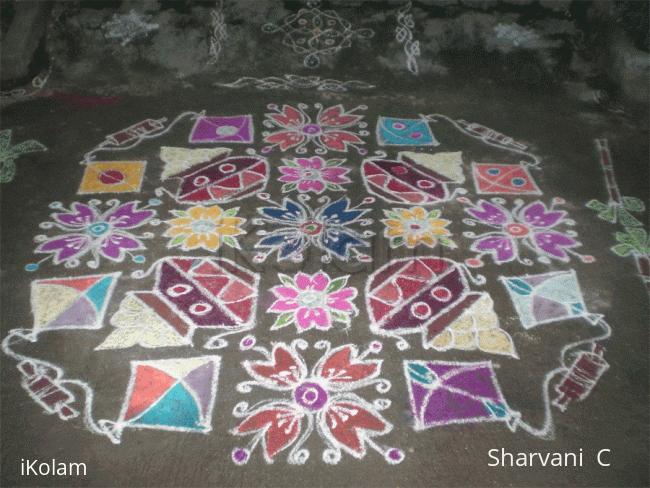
(285, 139)
(290, 117)
(306, 185)
(125, 216)
(114, 244)
(349, 424)
(80, 217)
(284, 371)
(552, 243)
(536, 214)
(335, 175)
(284, 292)
(281, 424)
(339, 140)
(332, 117)
(503, 247)
(339, 299)
(341, 367)
(492, 214)
(318, 282)
(65, 247)
(320, 318)
(314, 163)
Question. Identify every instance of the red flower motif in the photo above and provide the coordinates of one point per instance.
(297, 129)
(343, 419)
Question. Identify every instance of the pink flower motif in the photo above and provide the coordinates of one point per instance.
(322, 398)
(312, 301)
(313, 175)
(297, 129)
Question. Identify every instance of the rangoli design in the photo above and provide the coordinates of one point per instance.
(9, 153)
(324, 399)
(511, 179)
(618, 207)
(443, 393)
(219, 33)
(326, 132)
(431, 296)
(404, 35)
(218, 179)
(291, 81)
(299, 226)
(581, 377)
(411, 180)
(547, 297)
(534, 226)
(206, 228)
(169, 394)
(487, 136)
(127, 27)
(313, 301)
(313, 174)
(112, 177)
(108, 235)
(404, 132)
(71, 303)
(410, 227)
(237, 129)
(189, 294)
(313, 33)
(635, 242)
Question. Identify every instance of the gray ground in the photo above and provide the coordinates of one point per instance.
(557, 128)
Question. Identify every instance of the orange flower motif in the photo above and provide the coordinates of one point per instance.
(412, 226)
(204, 227)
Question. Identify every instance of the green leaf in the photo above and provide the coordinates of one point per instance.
(28, 146)
(287, 281)
(638, 235)
(282, 321)
(179, 213)
(609, 214)
(341, 317)
(230, 212)
(337, 284)
(622, 249)
(334, 187)
(333, 162)
(391, 215)
(398, 241)
(447, 242)
(626, 219)
(626, 239)
(434, 214)
(5, 140)
(291, 163)
(177, 241)
(596, 205)
(633, 204)
(231, 242)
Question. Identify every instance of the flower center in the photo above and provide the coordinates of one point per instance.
(203, 226)
(309, 174)
(98, 229)
(310, 299)
(310, 395)
(517, 230)
(311, 228)
(311, 129)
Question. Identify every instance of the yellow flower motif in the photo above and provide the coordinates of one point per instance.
(204, 227)
(413, 226)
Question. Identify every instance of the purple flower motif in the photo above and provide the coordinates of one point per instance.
(313, 175)
(90, 231)
(533, 225)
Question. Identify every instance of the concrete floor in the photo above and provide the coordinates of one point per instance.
(560, 131)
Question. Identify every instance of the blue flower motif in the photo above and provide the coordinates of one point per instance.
(326, 227)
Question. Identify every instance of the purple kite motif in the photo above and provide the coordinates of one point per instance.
(443, 393)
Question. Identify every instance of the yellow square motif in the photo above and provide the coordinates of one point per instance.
(112, 177)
